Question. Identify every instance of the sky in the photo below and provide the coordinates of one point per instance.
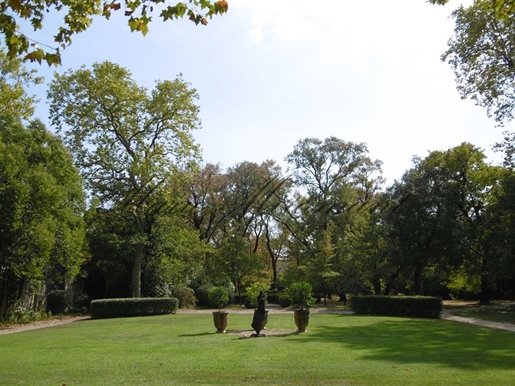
(272, 72)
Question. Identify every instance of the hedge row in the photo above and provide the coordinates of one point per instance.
(119, 308)
(417, 306)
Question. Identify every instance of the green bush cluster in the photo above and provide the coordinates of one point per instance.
(253, 291)
(218, 297)
(18, 314)
(273, 296)
(119, 308)
(186, 297)
(416, 306)
(300, 294)
(284, 301)
(57, 302)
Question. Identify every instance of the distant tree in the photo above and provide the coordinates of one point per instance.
(130, 146)
(78, 16)
(437, 220)
(336, 182)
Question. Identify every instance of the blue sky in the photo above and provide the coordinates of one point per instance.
(270, 73)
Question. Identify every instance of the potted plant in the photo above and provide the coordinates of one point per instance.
(301, 299)
(219, 297)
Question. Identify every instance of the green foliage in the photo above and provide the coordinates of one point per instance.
(253, 292)
(300, 295)
(18, 314)
(57, 302)
(218, 297)
(482, 55)
(201, 293)
(284, 301)
(186, 297)
(14, 79)
(132, 146)
(412, 306)
(119, 308)
(78, 17)
(41, 207)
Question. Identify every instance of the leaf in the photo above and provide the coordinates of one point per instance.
(35, 56)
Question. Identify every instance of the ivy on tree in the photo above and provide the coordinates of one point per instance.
(78, 17)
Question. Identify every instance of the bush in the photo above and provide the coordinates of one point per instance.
(273, 296)
(253, 292)
(57, 302)
(415, 306)
(202, 294)
(284, 301)
(119, 308)
(18, 314)
(300, 295)
(81, 304)
(186, 297)
(218, 297)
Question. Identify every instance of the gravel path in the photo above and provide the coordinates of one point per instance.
(274, 309)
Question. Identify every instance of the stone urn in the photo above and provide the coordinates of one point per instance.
(301, 319)
(220, 321)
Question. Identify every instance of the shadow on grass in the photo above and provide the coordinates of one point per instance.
(408, 340)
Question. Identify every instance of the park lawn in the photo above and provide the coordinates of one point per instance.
(184, 350)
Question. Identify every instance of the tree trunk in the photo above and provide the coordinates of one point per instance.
(484, 297)
(376, 282)
(417, 279)
(5, 284)
(136, 271)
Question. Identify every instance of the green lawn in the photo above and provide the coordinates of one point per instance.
(184, 350)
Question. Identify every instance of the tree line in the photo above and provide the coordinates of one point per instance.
(119, 204)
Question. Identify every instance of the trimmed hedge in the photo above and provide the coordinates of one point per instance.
(119, 308)
(416, 306)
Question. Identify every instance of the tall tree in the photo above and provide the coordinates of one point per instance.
(78, 17)
(438, 216)
(14, 79)
(41, 206)
(130, 145)
(337, 182)
(482, 55)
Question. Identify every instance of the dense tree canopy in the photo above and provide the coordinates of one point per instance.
(130, 145)
(14, 80)
(78, 16)
(41, 207)
(482, 55)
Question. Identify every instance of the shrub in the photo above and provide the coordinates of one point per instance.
(119, 308)
(202, 294)
(218, 297)
(81, 303)
(284, 301)
(57, 302)
(416, 306)
(253, 293)
(18, 314)
(186, 297)
(299, 294)
(273, 296)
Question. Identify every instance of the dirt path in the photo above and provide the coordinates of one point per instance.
(446, 315)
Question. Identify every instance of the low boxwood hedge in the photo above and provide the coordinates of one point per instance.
(416, 306)
(119, 308)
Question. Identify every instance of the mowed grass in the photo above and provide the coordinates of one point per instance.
(184, 350)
